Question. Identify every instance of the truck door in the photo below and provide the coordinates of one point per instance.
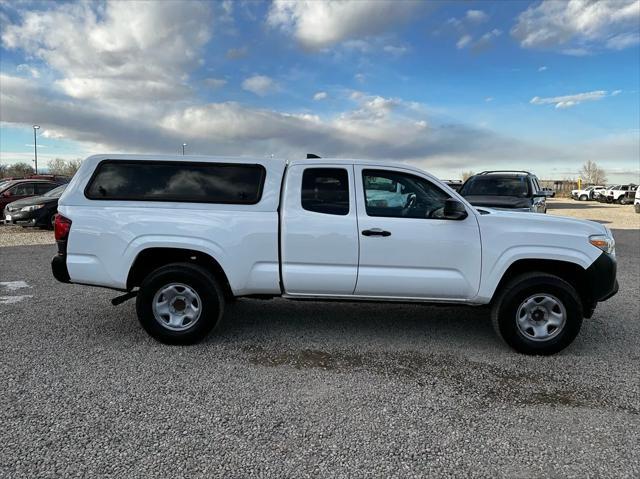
(319, 233)
(407, 248)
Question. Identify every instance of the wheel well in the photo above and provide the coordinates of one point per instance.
(151, 259)
(572, 273)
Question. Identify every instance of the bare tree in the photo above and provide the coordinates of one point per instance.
(3, 170)
(62, 167)
(466, 175)
(19, 169)
(591, 174)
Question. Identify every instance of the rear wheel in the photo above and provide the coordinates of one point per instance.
(538, 313)
(179, 303)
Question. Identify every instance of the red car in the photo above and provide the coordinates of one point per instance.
(12, 190)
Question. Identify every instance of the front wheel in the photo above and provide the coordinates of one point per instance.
(584, 197)
(179, 303)
(637, 207)
(537, 313)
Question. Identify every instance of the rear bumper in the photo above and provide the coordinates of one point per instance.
(601, 278)
(59, 268)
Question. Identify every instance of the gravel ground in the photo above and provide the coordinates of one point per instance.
(302, 389)
(612, 215)
(17, 235)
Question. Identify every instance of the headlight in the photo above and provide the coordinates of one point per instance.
(31, 208)
(604, 242)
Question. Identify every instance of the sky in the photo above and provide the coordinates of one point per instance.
(449, 86)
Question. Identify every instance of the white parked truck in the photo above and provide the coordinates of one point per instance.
(185, 235)
(588, 193)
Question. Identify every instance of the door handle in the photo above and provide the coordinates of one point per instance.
(376, 232)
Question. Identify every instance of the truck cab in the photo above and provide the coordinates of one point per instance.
(186, 235)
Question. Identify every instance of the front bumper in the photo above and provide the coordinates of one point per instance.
(601, 278)
(22, 217)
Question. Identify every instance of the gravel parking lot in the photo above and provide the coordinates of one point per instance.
(301, 389)
(614, 216)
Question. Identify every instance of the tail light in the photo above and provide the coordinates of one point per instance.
(62, 227)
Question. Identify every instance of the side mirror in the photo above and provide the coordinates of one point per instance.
(454, 210)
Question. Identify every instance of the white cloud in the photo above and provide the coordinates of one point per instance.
(360, 77)
(489, 99)
(616, 92)
(133, 51)
(318, 25)
(624, 40)
(377, 127)
(261, 85)
(321, 95)
(24, 68)
(396, 50)
(477, 16)
(485, 40)
(579, 25)
(464, 41)
(215, 82)
(481, 43)
(237, 53)
(567, 101)
(543, 68)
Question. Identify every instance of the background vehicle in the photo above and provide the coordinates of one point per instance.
(603, 197)
(185, 235)
(36, 210)
(587, 193)
(514, 190)
(636, 202)
(14, 190)
(549, 192)
(618, 193)
(453, 184)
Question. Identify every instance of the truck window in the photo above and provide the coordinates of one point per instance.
(229, 183)
(326, 190)
(410, 197)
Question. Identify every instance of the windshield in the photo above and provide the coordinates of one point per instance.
(56, 192)
(495, 186)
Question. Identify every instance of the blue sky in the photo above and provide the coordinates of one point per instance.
(449, 86)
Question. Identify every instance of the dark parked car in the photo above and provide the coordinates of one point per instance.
(35, 211)
(513, 190)
(14, 190)
(453, 184)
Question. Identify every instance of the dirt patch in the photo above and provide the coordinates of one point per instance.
(488, 383)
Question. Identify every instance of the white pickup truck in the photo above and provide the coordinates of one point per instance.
(589, 193)
(185, 235)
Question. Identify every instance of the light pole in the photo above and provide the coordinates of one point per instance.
(183, 145)
(35, 146)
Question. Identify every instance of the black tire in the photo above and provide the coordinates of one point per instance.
(509, 300)
(583, 198)
(197, 278)
(637, 207)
